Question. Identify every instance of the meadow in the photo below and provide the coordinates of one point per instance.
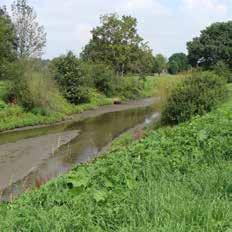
(172, 179)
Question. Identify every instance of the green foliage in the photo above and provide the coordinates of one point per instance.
(33, 88)
(129, 87)
(175, 179)
(178, 62)
(71, 78)
(223, 70)
(160, 64)
(213, 45)
(100, 77)
(173, 67)
(117, 43)
(7, 41)
(195, 95)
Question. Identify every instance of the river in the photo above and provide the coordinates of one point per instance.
(32, 156)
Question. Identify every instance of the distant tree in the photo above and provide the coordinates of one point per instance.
(178, 62)
(173, 67)
(160, 64)
(213, 45)
(31, 38)
(7, 42)
(117, 43)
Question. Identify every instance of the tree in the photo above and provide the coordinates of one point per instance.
(173, 67)
(7, 43)
(70, 77)
(31, 38)
(160, 64)
(117, 43)
(213, 45)
(178, 62)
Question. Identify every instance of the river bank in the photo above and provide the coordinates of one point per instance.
(92, 112)
(16, 117)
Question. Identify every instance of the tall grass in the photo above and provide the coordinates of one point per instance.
(163, 87)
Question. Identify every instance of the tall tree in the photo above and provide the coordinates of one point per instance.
(31, 37)
(7, 42)
(117, 43)
(213, 45)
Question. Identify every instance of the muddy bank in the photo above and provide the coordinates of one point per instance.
(16, 159)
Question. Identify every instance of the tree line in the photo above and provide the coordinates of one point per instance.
(115, 50)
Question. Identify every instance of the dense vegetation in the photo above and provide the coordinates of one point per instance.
(178, 62)
(195, 95)
(117, 43)
(174, 179)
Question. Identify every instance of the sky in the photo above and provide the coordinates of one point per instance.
(166, 24)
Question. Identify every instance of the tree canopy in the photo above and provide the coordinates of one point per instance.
(7, 42)
(178, 62)
(160, 64)
(117, 43)
(213, 45)
(31, 38)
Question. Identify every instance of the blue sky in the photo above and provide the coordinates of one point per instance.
(166, 24)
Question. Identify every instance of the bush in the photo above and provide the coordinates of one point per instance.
(71, 79)
(195, 95)
(129, 87)
(223, 70)
(100, 77)
(34, 89)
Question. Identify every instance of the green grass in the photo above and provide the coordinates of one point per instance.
(174, 179)
(14, 116)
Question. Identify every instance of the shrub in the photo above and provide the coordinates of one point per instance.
(100, 77)
(36, 89)
(223, 70)
(195, 95)
(71, 79)
(128, 87)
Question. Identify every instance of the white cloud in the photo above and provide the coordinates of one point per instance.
(208, 5)
(150, 6)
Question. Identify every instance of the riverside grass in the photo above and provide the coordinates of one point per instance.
(15, 116)
(174, 179)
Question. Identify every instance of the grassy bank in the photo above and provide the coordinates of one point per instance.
(174, 179)
(15, 116)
